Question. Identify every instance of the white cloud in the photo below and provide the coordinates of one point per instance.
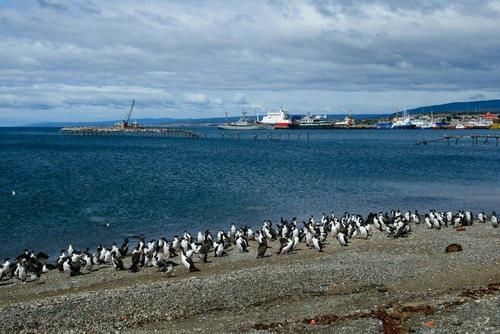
(217, 101)
(239, 98)
(196, 98)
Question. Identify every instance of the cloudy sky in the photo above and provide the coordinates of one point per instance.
(86, 60)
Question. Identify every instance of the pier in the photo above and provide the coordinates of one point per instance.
(475, 139)
(130, 131)
(267, 136)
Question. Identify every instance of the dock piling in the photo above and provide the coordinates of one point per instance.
(474, 138)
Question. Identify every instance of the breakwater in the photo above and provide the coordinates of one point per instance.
(135, 131)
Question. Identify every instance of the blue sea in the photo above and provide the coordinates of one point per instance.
(68, 187)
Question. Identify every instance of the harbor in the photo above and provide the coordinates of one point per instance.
(282, 119)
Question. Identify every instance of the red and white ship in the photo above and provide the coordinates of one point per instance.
(279, 119)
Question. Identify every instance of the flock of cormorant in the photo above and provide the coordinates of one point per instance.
(160, 253)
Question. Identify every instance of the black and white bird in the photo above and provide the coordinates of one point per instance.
(415, 218)
(167, 269)
(136, 260)
(88, 261)
(188, 262)
(70, 268)
(343, 239)
(468, 218)
(494, 219)
(6, 269)
(21, 272)
(285, 246)
(242, 244)
(117, 262)
(166, 266)
(362, 231)
(261, 245)
(219, 249)
(124, 248)
(318, 245)
(70, 250)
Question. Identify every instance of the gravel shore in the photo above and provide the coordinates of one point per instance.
(372, 286)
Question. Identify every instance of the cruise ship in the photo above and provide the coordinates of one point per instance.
(279, 119)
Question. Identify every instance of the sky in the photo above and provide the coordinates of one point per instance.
(63, 60)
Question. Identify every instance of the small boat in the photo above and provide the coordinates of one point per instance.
(346, 123)
(244, 123)
(279, 119)
(422, 124)
(479, 124)
(383, 125)
(439, 125)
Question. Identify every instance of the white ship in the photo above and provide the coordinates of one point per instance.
(347, 122)
(403, 122)
(279, 119)
(479, 124)
(310, 121)
(244, 123)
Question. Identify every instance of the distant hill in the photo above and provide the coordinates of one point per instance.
(460, 107)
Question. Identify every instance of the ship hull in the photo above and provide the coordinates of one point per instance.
(403, 127)
(312, 126)
(240, 127)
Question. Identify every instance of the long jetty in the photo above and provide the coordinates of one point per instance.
(475, 139)
(133, 131)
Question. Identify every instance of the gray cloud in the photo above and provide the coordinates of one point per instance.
(199, 56)
(51, 5)
(477, 97)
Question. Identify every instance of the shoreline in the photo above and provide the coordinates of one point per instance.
(408, 282)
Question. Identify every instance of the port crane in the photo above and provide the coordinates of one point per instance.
(126, 122)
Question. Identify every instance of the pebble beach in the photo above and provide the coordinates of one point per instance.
(378, 285)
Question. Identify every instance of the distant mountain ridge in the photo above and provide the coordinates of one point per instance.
(458, 107)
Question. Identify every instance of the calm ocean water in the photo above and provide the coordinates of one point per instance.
(68, 187)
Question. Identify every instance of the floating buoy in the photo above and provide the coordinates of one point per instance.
(13, 193)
